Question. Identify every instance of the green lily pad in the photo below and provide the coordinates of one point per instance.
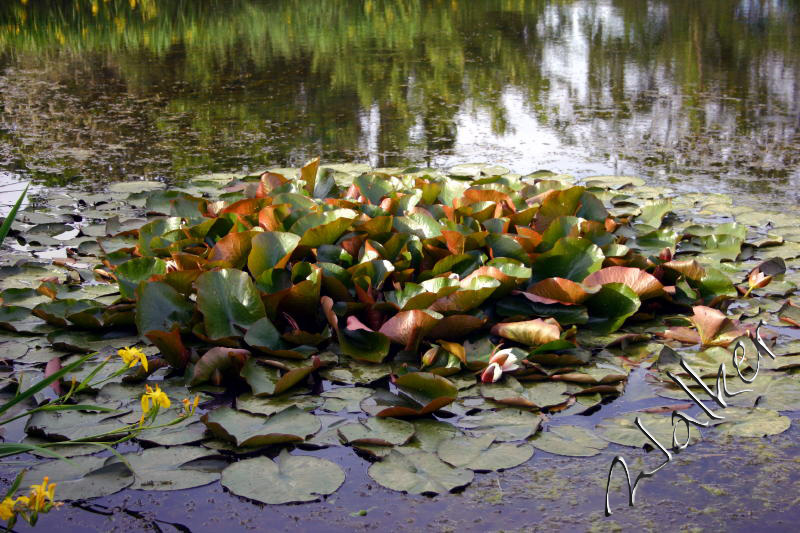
(356, 373)
(482, 455)
(570, 258)
(751, 422)
(345, 399)
(289, 478)
(537, 395)
(428, 434)
(289, 425)
(623, 430)
(418, 473)
(422, 393)
(377, 431)
(271, 249)
(611, 306)
(73, 424)
(131, 273)
(227, 298)
(573, 441)
(83, 478)
(188, 431)
(174, 468)
(506, 424)
(269, 406)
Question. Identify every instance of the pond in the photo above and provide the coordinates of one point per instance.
(699, 97)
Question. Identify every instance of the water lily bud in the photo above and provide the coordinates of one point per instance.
(492, 373)
(430, 356)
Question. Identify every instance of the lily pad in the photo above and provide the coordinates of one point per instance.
(377, 431)
(751, 422)
(345, 399)
(174, 468)
(506, 424)
(287, 479)
(289, 425)
(482, 455)
(573, 441)
(623, 430)
(538, 395)
(418, 473)
(85, 477)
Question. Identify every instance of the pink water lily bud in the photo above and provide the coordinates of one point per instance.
(505, 359)
(492, 373)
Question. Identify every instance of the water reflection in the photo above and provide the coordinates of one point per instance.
(705, 93)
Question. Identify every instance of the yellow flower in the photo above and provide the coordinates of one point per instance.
(133, 356)
(41, 494)
(158, 398)
(7, 509)
(190, 406)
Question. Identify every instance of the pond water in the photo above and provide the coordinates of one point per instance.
(698, 96)
(703, 95)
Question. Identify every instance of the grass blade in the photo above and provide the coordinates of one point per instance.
(27, 393)
(6, 227)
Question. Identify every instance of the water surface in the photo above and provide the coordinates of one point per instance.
(703, 95)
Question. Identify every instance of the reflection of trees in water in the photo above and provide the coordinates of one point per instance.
(223, 83)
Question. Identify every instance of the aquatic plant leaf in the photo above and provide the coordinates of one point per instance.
(373, 186)
(421, 393)
(259, 405)
(408, 327)
(713, 328)
(229, 303)
(377, 431)
(623, 430)
(482, 455)
(751, 422)
(174, 468)
(217, 362)
(233, 248)
(611, 306)
(243, 429)
(271, 249)
(557, 290)
(345, 399)
(83, 478)
(653, 213)
(287, 479)
(529, 332)
(472, 293)
(428, 434)
(645, 285)
(159, 307)
(418, 473)
(573, 441)
(421, 296)
(323, 228)
(571, 258)
(170, 346)
(131, 273)
(505, 425)
(537, 395)
(74, 424)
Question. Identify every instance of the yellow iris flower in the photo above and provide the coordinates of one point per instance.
(157, 396)
(7, 509)
(41, 494)
(133, 356)
(41, 499)
(189, 406)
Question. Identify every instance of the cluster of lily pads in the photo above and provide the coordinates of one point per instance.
(340, 305)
